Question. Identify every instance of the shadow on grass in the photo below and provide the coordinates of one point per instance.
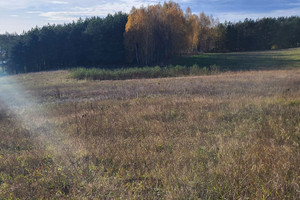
(244, 61)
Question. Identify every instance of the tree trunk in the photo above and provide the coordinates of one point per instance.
(137, 54)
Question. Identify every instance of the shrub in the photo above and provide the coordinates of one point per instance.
(214, 69)
(195, 70)
(138, 73)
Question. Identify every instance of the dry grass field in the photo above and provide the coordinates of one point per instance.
(234, 135)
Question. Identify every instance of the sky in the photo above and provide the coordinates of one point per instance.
(17, 16)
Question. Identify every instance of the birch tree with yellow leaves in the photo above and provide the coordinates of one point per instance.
(155, 33)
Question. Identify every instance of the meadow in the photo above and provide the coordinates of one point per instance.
(230, 135)
(202, 64)
(256, 60)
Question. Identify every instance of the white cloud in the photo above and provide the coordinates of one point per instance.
(59, 2)
(33, 12)
(40, 12)
(102, 8)
(60, 16)
(97, 10)
(19, 4)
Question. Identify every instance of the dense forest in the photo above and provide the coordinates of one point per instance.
(148, 35)
(89, 42)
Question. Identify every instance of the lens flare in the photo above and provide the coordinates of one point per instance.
(35, 118)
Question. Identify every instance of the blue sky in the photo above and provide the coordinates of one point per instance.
(19, 15)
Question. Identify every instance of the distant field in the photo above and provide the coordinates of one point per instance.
(203, 64)
(276, 59)
(234, 135)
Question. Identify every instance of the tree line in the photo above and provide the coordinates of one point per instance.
(145, 36)
(90, 42)
(261, 34)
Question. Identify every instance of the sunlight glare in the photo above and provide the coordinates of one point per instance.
(33, 117)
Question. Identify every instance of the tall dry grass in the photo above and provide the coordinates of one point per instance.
(230, 136)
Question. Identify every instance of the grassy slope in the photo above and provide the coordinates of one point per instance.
(228, 136)
(277, 59)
